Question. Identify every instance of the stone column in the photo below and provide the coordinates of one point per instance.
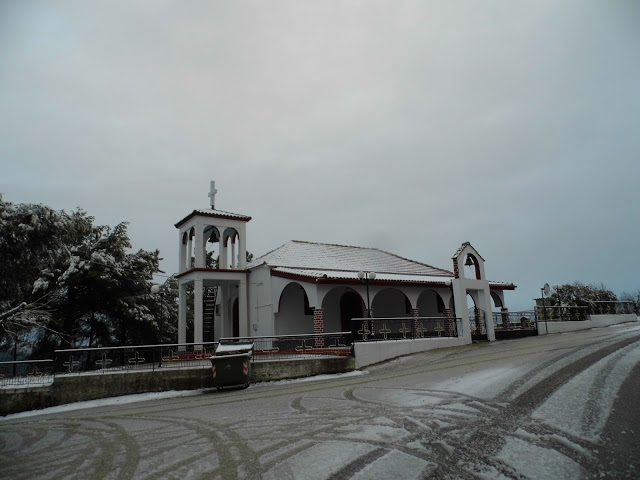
(188, 265)
(449, 323)
(506, 323)
(182, 254)
(318, 326)
(197, 313)
(199, 250)
(223, 263)
(242, 308)
(415, 313)
(242, 247)
(233, 253)
(182, 313)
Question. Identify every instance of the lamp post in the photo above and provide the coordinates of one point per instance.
(366, 276)
(155, 289)
(544, 308)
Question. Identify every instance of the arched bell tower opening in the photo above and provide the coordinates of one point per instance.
(211, 246)
(213, 261)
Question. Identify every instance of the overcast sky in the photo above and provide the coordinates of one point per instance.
(407, 126)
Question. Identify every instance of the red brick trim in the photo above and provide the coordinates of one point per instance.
(318, 326)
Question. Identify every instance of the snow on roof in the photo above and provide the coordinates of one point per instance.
(350, 275)
(502, 285)
(323, 257)
(345, 276)
(208, 212)
(462, 247)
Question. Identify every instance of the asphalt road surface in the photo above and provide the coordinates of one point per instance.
(562, 406)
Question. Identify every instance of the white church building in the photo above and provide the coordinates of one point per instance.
(309, 287)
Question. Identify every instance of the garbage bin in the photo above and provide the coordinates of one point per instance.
(231, 364)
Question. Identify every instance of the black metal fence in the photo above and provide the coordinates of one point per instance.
(524, 320)
(583, 312)
(26, 372)
(283, 347)
(611, 308)
(139, 357)
(404, 328)
(166, 356)
(561, 313)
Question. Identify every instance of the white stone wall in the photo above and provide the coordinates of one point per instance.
(260, 299)
(369, 353)
(597, 321)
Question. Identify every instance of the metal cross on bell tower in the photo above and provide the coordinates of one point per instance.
(212, 195)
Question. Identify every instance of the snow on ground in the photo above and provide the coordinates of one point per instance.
(536, 462)
(315, 378)
(104, 402)
(557, 365)
(485, 383)
(396, 465)
(398, 397)
(144, 397)
(319, 461)
(374, 433)
(586, 415)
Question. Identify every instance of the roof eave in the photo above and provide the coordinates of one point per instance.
(238, 217)
(502, 286)
(355, 281)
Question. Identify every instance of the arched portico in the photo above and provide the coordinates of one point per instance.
(389, 303)
(430, 304)
(294, 315)
(340, 305)
(498, 300)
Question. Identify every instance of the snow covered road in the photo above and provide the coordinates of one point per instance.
(563, 406)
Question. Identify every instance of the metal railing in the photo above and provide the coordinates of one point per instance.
(404, 328)
(557, 313)
(282, 347)
(26, 372)
(611, 308)
(138, 357)
(525, 320)
(562, 313)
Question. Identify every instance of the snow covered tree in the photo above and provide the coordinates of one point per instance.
(65, 282)
(579, 294)
(33, 238)
(633, 298)
(166, 311)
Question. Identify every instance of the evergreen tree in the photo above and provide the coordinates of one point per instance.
(579, 294)
(65, 282)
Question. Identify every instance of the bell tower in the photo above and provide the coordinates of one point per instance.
(212, 258)
(475, 284)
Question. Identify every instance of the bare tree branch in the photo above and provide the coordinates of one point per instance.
(13, 311)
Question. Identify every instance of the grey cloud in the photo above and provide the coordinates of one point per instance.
(411, 126)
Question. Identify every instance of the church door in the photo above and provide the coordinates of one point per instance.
(350, 307)
(236, 318)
